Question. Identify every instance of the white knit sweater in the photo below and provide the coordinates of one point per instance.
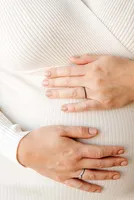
(35, 34)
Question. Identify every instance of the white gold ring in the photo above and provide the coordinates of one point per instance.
(81, 174)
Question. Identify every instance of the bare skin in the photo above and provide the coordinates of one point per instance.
(54, 153)
(108, 82)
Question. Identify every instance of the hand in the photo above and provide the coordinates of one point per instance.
(53, 153)
(108, 82)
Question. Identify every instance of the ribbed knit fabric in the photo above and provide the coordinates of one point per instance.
(34, 35)
(10, 135)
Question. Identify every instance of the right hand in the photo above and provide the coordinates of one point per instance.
(53, 152)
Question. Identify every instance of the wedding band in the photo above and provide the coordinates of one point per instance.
(85, 92)
(81, 174)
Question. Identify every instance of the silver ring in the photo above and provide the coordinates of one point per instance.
(85, 92)
(81, 174)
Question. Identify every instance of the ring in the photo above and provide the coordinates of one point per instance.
(81, 174)
(85, 92)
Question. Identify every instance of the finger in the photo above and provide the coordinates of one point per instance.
(96, 151)
(73, 93)
(99, 175)
(78, 132)
(56, 72)
(64, 82)
(85, 105)
(84, 59)
(102, 163)
(81, 185)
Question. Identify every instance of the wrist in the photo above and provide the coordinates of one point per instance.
(131, 80)
(23, 151)
(127, 78)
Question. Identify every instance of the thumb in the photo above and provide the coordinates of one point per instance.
(84, 59)
(79, 132)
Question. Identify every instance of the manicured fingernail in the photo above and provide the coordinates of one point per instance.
(48, 93)
(64, 108)
(45, 83)
(121, 151)
(92, 131)
(98, 191)
(117, 176)
(47, 74)
(124, 163)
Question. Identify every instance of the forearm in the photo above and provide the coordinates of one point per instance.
(10, 136)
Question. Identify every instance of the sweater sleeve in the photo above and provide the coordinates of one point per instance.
(10, 136)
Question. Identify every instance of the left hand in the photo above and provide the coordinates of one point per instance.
(108, 82)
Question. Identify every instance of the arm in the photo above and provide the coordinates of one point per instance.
(10, 136)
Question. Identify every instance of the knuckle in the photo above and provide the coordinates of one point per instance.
(73, 156)
(51, 83)
(80, 186)
(75, 184)
(71, 166)
(90, 152)
(107, 176)
(59, 178)
(72, 108)
(67, 81)
(68, 71)
(100, 164)
(74, 93)
(99, 82)
(67, 165)
(81, 131)
(92, 176)
(109, 103)
(97, 68)
(60, 130)
(53, 72)
(114, 163)
(100, 153)
(86, 105)
(102, 93)
(113, 151)
(56, 93)
(77, 155)
(68, 153)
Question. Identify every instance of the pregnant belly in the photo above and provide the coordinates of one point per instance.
(29, 107)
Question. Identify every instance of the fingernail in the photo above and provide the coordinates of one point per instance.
(64, 108)
(92, 131)
(98, 190)
(45, 83)
(121, 151)
(124, 163)
(47, 74)
(117, 176)
(48, 93)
